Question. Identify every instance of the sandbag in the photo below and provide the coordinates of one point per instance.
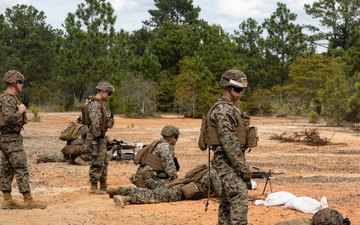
(306, 204)
(276, 199)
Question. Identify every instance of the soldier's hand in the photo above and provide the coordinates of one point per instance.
(21, 108)
(246, 176)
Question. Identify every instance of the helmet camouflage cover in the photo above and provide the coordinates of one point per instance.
(327, 217)
(169, 131)
(233, 78)
(105, 86)
(12, 76)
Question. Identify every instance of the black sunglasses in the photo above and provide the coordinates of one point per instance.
(176, 136)
(20, 82)
(109, 93)
(237, 89)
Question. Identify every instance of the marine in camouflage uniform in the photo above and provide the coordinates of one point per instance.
(100, 121)
(135, 195)
(165, 151)
(76, 151)
(229, 159)
(59, 157)
(13, 162)
(329, 217)
(325, 216)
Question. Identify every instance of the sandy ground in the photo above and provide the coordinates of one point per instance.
(332, 171)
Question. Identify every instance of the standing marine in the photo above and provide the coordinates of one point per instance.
(13, 161)
(99, 120)
(229, 157)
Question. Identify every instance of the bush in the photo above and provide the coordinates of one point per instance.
(314, 117)
(35, 111)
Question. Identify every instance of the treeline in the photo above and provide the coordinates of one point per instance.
(174, 62)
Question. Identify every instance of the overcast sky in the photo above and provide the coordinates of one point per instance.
(130, 13)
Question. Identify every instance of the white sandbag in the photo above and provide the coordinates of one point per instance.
(276, 198)
(259, 202)
(307, 204)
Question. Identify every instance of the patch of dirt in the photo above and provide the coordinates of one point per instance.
(332, 171)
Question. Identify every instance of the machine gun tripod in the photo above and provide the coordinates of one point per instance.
(122, 150)
(262, 175)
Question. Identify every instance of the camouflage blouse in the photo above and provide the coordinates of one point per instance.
(228, 157)
(14, 120)
(166, 153)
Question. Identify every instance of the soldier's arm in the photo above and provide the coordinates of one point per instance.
(95, 113)
(229, 139)
(167, 159)
(10, 111)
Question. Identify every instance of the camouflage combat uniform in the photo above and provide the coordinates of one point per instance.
(328, 216)
(229, 161)
(59, 157)
(173, 194)
(166, 153)
(98, 127)
(73, 149)
(325, 216)
(13, 162)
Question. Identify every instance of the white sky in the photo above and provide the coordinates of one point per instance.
(130, 13)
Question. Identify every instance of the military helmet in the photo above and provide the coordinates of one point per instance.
(233, 78)
(327, 217)
(105, 86)
(12, 76)
(169, 131)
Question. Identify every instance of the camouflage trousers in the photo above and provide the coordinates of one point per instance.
(233, 208)
(51, 157)
(144, 195)
(13, 163)
(99, 164)
(156, 183)
(58, 157)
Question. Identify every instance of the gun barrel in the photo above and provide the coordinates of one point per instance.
(260, 175)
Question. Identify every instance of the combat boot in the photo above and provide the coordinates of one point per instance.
(9, 203)
(94, 189)
(30, 203)
(112, 191)
(103, 185)
(121, 200)
(72, 161)
(80, 161)
(39, 159)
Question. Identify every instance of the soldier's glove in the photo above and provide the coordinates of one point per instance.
(246, 176)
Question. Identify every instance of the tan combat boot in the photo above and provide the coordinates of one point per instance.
(94, 189)
(39, 159)
(121, 200)
(9, 203)
(81, 161)
(30, 203)
(112, 191)
(103, 185)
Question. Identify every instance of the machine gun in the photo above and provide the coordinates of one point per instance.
(264, 175)
(122, 150)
